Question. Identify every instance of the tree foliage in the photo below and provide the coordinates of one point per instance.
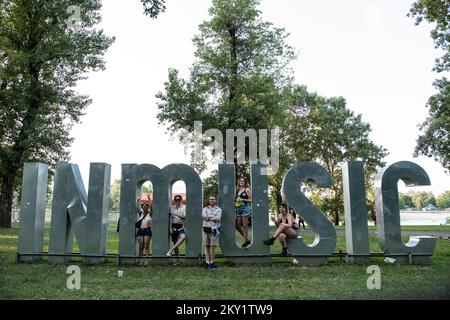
(242, 64)
(420, 199)
(153, 8)
(210, 186)
(42, 57)
(324, 130)
(443, 200)
(114, 196)
(435, 140)
(405, 201)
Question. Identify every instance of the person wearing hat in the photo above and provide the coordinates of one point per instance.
(144, 228)
(176, 225)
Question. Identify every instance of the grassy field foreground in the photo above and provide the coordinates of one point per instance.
(279, 280)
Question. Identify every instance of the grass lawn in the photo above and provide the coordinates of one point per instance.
(278, 280)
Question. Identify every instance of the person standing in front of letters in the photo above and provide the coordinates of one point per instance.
(144, 232)
(285, 224)
(211, 230)
(243, 210)
(176, 226)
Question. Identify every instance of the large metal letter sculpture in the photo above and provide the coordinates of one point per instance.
(388, 213)
(260, 209)
(32, 210)
(194, 206)
(356, 228)
(72, 211)
(132, 178)
(325, 241)
(97, 212)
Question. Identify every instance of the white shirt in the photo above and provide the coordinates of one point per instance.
(178, 214)
(211, 211)
(148, 218)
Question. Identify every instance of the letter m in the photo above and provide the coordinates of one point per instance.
(241, 136)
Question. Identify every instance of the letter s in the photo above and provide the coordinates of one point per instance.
(325, 241)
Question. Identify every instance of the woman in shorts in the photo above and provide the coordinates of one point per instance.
(144, 231)
(286, 229)
(243, 211)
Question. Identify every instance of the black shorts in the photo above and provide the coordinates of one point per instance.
(147, 232)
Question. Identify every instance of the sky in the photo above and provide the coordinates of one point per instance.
(368, 52)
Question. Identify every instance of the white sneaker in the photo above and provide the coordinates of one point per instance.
(169, 253)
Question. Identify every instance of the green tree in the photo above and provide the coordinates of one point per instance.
(443, 200)
(242, 64)
(405, 201)
(210, 186)
(324, 130)
(435, 140)
(429, 199)
(43, 54)
(276, 180)
(421, 198)
(153, 8)
(114, 196)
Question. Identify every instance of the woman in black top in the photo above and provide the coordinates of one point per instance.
(243, 211)
(300, 220)
(286, 229)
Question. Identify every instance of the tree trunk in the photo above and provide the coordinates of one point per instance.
(6, 200)
(336, 217)
(336, 209)
(278, 198)
(234, 66)
(16, 159)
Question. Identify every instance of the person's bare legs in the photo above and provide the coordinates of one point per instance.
(141, 246)
(177, 254)
(282, 238)
(207, 254)
(179, 243)
(146, 247)
(245, 229)
(239, 225)
(291, 234)
(288, 233)
(279, 231)
(212, 253)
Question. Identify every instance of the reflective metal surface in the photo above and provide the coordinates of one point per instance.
(32, 210)
(325, 241)
(260, 211)
(356, 228)
(388, 212)
(133, 176)
(73, 215)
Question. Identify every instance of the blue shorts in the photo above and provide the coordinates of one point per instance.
(176, 234)
(243, 211)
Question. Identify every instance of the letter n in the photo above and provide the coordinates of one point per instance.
(73, 213)
(32, 210)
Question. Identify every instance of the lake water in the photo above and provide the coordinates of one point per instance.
(407, 218)
(423, 218)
